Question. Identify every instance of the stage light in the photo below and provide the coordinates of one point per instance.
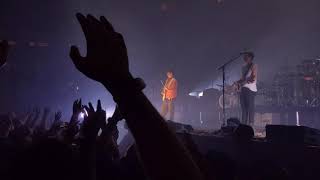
(109, 111)
(197, 94)
(297, 119)
(81, 115)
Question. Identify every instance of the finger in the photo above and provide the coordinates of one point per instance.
(92, 19)
(99, 108)
(91, 107)
(119, 41)
(76, 58)
(106, 24)
(83, 23)
(86, 109)
(96, 27)
(78, 103)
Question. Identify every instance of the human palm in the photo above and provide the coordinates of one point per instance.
(106, 60)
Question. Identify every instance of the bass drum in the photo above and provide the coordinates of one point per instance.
(231, 101)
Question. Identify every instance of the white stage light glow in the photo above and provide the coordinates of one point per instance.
(81, 115)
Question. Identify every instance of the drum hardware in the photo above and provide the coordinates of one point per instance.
(299, 86)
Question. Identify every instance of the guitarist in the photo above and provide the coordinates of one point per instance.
(169, 94)
(248, 88)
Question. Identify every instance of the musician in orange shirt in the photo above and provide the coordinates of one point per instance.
(169, 94)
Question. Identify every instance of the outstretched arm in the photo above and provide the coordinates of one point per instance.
(163, 156)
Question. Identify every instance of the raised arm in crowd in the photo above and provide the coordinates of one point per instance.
(161, 153)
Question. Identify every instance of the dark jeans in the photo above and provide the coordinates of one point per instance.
(167, 106)
(247, 105)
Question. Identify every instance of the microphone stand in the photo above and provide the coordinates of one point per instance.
(223, 68)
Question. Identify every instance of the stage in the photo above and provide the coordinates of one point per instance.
(300, 161)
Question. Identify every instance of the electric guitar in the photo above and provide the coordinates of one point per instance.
(166, 87)
(239, 84)
(247, 80)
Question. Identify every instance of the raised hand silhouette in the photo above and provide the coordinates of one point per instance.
(77, 107)
(106, 60)
(94, 121)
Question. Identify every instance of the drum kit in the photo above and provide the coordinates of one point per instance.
(298, 86)
(231, 97)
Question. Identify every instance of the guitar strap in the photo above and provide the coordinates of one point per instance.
(248, 70)
(168, 84)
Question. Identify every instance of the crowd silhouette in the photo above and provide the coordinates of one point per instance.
(34, 148)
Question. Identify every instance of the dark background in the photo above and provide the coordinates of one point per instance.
(193, 37)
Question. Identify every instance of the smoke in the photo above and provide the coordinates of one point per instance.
(281, 33)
